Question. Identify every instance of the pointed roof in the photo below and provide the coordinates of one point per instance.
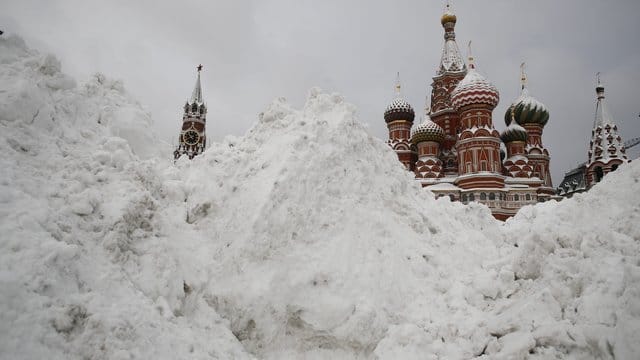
(606, 143)
(196, 96)
(603, 116)
(451, 60)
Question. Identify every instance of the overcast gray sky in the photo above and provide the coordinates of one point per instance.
(256, 50)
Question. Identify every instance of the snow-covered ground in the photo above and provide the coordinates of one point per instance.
(303, 239)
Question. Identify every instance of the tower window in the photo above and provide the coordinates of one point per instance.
(516, 197)
(492, 196)
(483, 196)
(528, 197)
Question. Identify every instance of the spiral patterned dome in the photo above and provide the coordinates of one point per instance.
(399, 109)
(514, 132)
(527, 110)
(474, 89)
(427, 131)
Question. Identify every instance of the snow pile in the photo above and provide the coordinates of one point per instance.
(323, 244)
(303, 239)
(580, 259)
(84, 269)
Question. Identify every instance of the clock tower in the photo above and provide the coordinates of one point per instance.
(192, 139)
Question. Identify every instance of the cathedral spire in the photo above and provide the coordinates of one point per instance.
(451, 60)
(196, 96)
(603, 116)
(607, 150)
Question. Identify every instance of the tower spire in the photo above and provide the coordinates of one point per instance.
(398, 85)
(451, 60)
(196, 96)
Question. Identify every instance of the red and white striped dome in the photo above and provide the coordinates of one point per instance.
(474, 89)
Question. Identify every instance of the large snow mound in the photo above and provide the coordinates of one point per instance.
(305, 238)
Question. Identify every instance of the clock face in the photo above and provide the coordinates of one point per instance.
(191, 137)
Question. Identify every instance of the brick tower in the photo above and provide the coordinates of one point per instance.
(192, 139)
(478, 146)
(451, 70)
(399, 116)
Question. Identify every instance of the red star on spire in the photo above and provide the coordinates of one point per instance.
(199, 67)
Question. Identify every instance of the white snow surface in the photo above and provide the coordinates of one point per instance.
(303, 239)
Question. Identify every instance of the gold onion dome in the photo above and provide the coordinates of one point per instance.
(427, 131)
(514, 132)
(448, 17)
(527, 110)
(399, 109)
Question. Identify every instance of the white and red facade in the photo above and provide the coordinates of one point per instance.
(456, 151)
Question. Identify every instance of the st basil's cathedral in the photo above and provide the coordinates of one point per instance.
(457, 152)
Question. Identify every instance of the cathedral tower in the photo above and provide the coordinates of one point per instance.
(428, 137)
(399, 117)
(451, 70)
(606, 151)
(478, 146)
(533, 115)
(192, 140)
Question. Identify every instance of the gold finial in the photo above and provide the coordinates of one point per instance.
(523, 76)
(398, 84)
(199, 67)
(472, 64)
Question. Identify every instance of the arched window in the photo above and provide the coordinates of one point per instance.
(516, 197)
(472, 197)
(483, 196)
(492, 196)
(528, 197)
(464, 198)
(453, 198)
(201, 109)
(194, 107)
(599, 174)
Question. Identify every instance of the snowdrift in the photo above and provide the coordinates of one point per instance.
(305, 238)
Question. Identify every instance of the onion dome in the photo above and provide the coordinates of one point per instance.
(514, 132)
(448, 17)
(427, 131)
(474, 89)
(399, 109)
(526, 109)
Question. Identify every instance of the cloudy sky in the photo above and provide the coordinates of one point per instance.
(256, 50)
